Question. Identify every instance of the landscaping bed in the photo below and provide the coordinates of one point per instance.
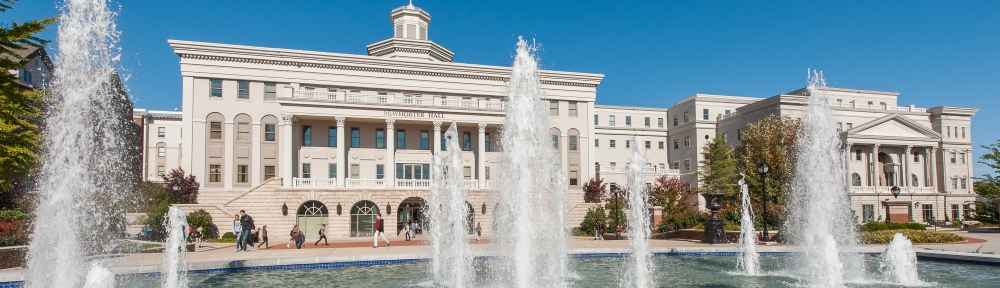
(916, 236)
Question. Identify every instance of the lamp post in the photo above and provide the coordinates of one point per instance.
(177, 188)
(618, 218)
(895, 191)
(762, 169)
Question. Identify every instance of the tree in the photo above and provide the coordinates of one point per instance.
(771, 140)
(988, 187)
(672, 194)
(719, 172)
(188, 192)
(20, 110)
(594, 190)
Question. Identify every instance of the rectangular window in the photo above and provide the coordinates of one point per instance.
(160, 171)
(628, 144)
(424, 140)
(675, 120)
(916, 157)
(215, 173)
(928, 212)
(553, 107)
(677, 165)
(242, 173)
(649, 144)
(573, 178)
(444, 142)
(857, 155)
(687, 142)
(687, 165)
(686, 118)
(380, 138)
(611, 143)
(572, 143)
(466, 141)
(676, 144)
(161, 132)
(661, 145)
(332, 171)
(355, 137)
(242, 89)
(597, 143)
(307, 136)
(704, 113)
(647, 122)
(161, 152)
(961, 158)
(467, 172)
(659, 122)
(380, 171)
(487, 173)
(268, 172)
(955, 212)
(868, 212)
(611, 120)
(725, 137)
(331, 136)
(555, 142)
(242, 131)
(270, 131)
(572, 109)
(954, 183)
(739, 134)
(270, 91)
(871, 103)
(953, 157)
(628, 121)
(216, 88)
(963, 132)
(840, 126)
(727, 112)
(850, 125)
(965, 183)
(595, 119)
(612, 164)
(662, 166)
(949, 130)
(967, 211)
(306, 170)
(488, 141)
(215, 131)
(355, 171)
(400, 139)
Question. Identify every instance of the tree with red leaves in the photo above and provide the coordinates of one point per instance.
(594, 190)
(188, 187)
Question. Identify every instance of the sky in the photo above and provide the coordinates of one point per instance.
(652, 53)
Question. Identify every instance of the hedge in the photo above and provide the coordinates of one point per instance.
(879, 226)
(916, 236)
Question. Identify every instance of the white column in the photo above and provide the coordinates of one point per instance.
(908, 180)
(945, 176)
(228, 169)
(934, 175)
(389, 172)
(481, 156)
(875, 168)
(286, 151)
(437, 137)
(255, 167)
(968, 165)
(341, 159)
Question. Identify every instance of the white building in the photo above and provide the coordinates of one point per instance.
(310, 138)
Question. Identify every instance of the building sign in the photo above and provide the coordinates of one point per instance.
(413, 114)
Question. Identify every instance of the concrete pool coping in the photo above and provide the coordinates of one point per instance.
(7, 279)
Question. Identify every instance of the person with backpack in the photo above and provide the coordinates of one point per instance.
(406, 230)
(322, 236)
(380, 230)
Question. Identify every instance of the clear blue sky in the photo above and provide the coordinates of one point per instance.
(652, 53)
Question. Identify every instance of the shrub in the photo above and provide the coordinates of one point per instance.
(594, 215)
(616, 213)
(682, 220)
(14, 228)
(916, 236)
(879, 226)
(228, 235)
(201, 219)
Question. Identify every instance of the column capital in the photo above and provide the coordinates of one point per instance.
(437, 125)
(341, 121)
(390, 124)
(482, 127)
(287, 118)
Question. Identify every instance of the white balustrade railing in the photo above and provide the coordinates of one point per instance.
(494, 105)
(314, 95)
(413, 183)
(414, 101)
(354, 97)
(647, 170)
(451, 102)
(471, 184)
(880, 107)
(492, 184)
(365, 183)
(314, 183)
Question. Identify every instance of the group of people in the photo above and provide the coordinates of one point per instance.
(599, 231)
(411, 229)
(247, 234)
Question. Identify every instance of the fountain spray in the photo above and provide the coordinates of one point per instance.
(174, 253)
(451, 254)
(641, 268)
(749, 261)
(898, 263)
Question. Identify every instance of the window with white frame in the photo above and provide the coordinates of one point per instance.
(161, 132)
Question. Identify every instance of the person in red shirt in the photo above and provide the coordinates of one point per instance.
(380, 231)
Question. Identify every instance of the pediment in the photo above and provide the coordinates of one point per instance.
(894, 126)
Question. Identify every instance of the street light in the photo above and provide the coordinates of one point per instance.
(895, 191)
(762, 169)
(618, 220)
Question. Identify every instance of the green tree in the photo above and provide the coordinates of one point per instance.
(771, 140)
(719, 171)
(988, 187)
(20, 110)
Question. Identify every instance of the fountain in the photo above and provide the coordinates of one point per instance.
(451, 262)
(749, 261)
(638, 221)
(174, 253)
(819, 209)
(530, 218)
(99, 277)
(898, 263)
(85, 152)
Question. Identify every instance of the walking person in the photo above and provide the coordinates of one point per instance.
(263, 238)
(292, 234)
(197, 237)
(246, 222)
(322, 236)
(413, 229)
(237, 228)
(254, 239)
(479, 231)
(597, 230)
(406, 230)
(298, 237)
(380, 231)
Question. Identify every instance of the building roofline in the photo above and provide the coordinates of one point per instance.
(596, 106)
(699, 96)
(797, 92)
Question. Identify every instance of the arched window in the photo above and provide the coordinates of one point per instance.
(311, 216)
(916, 183)
(363, 218)
(855, 179)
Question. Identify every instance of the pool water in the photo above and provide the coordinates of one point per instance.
(671, 271)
